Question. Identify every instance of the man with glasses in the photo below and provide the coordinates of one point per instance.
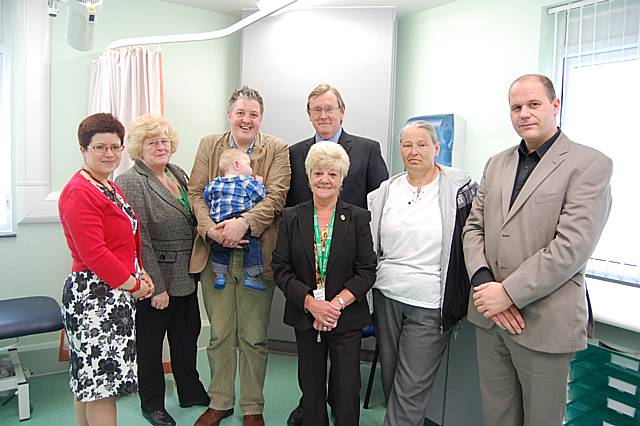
(366, 171)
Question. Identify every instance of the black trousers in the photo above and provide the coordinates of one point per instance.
(329, 396)
(181, 321)
(343, 349)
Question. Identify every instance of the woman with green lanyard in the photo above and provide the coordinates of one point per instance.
(324, 264)
(157, 191)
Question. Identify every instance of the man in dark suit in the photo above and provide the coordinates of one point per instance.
(535, 221)
(366, 171)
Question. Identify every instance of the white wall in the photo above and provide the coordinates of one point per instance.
(286, 56)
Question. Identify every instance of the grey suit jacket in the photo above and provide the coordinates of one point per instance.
(539, 247)
(167, 230)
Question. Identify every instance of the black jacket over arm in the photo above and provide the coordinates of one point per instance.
(352, 263)
(366, 171)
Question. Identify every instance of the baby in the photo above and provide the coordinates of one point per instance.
(228, 196)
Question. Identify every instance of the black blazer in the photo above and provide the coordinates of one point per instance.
(352, 263)
(366, 171)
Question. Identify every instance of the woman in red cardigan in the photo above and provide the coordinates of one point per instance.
(106, 277)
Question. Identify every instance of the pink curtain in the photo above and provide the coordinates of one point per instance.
(127, 82)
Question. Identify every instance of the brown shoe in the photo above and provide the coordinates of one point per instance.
(212, 417)
(253, 420)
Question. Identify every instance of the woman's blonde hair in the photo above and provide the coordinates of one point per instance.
(147, 127)
(327, 154)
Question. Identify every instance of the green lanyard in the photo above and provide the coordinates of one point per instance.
(323, 255)
(184, 200)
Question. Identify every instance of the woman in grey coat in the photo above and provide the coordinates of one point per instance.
(157, 191)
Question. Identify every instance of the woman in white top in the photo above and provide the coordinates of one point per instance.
(422, 287)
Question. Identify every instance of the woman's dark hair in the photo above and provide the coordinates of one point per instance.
(99, 123)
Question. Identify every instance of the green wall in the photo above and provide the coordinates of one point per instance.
(461, 58)
(458, 58)
(198, 76)
(198, 79)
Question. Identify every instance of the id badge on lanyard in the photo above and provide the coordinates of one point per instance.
(322, 255)
(318, 294)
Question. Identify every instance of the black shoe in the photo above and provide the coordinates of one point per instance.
(159, 418)
(203, 401)
(296, 417)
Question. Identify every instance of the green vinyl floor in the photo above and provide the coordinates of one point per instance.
(52, 402)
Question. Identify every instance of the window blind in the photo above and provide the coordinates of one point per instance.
(596, 62)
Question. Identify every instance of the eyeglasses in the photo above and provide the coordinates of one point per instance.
(157, 142)
(317, 112)
(102, 149)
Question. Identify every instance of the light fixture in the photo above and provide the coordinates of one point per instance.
(267, 4)
(81, 22)
(52, 8)
(264, 9)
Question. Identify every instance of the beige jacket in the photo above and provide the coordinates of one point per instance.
(539, 247)
(269, 159)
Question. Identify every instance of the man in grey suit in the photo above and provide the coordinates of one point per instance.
(535, 221)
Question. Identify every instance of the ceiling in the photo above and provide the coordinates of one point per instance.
(235, 7)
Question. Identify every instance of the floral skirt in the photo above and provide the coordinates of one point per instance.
(100, 325)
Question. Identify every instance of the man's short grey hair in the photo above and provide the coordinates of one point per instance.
(327, 154)
(421, 124)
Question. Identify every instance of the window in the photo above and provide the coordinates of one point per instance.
(597, 69)
(30, 33)
(6, 217)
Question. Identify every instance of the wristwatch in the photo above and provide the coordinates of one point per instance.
(246, 223)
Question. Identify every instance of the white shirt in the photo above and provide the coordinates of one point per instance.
(411, 242)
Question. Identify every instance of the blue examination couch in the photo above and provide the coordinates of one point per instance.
(23, 317)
